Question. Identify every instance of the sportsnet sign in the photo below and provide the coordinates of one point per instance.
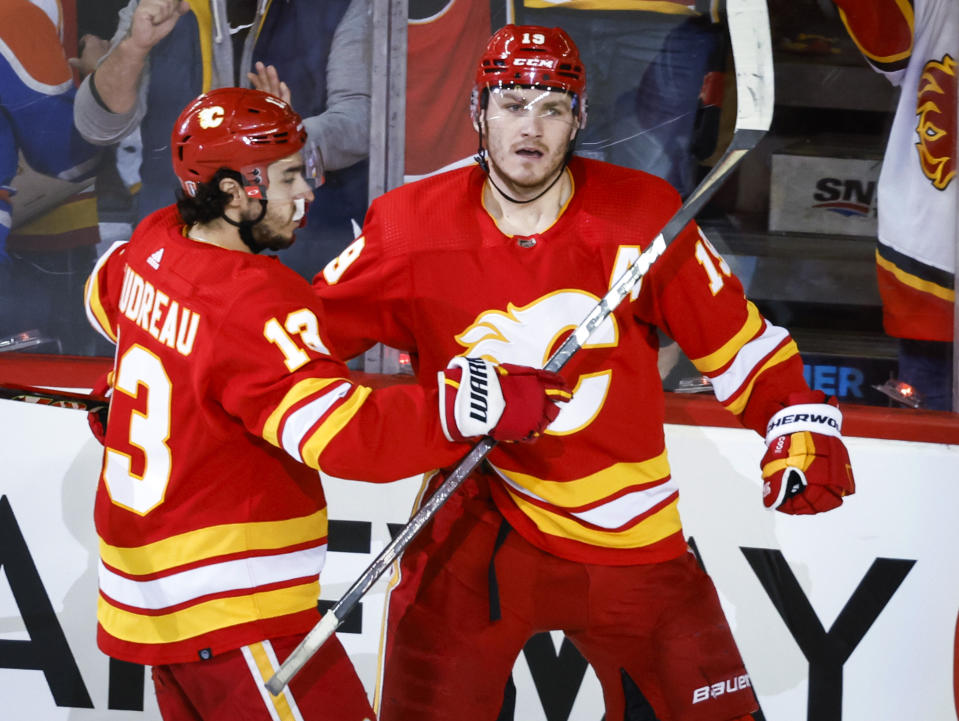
(813, 193)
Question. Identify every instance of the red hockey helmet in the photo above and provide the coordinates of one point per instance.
(241, 129)
(531, 56)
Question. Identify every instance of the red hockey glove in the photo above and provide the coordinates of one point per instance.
(508, 402)
(806, 467)
(97, 420)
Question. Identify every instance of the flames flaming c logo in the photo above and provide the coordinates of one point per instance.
(936, 109)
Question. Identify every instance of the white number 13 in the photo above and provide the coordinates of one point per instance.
(302, 323)
(138, 370)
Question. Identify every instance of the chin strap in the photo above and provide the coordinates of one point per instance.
(246, 228)
(480, 158)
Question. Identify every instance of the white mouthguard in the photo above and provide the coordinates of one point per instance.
(300, 204)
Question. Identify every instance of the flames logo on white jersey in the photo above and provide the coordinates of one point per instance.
(936, 125)
(527, 335)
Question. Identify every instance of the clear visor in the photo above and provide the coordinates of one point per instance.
(313, 171)
(295, 176)
(510, 104)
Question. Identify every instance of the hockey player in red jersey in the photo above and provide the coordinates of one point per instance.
(579, 531)
(226, 402)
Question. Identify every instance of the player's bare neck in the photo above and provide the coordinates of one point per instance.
(219, 234)
(527, 218)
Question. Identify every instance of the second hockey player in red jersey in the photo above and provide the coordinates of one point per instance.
(579, 531)
(226, 402)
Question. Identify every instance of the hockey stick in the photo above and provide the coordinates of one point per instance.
(57, 399)
(752, 52)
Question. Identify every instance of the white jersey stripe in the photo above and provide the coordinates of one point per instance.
(299, 423)
(243, 573)
(612, 514)
(746, 360)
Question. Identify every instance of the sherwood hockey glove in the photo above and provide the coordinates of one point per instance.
(508, 402)
(806, 467)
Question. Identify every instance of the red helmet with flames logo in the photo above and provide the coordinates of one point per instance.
(531, 56)
(237, 128)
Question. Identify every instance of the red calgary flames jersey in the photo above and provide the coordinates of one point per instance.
(433, 275)
(210, 512)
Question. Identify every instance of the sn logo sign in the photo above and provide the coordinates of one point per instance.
(847, 196)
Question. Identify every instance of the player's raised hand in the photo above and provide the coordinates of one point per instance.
(153, 20)
(507, 402)
(806, 467)
(91, 49)
(267, 79)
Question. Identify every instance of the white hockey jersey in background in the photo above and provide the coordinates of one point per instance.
(916, 46)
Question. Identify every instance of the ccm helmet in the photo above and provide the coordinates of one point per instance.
(241, 129)
(531, 56)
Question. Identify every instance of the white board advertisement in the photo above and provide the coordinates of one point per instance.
(849, 615)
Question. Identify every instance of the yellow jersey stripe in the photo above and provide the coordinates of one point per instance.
(214, 541)
(333, 425)
(596, 486)
(656, 527)
(787, 351)
(717, 359)
(205, 617)
(915, 282)
(303, 389)
(260, 661)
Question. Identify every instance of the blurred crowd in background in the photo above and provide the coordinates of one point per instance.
(89, 92)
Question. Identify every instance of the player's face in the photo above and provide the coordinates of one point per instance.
(527, 134)
(288, 195)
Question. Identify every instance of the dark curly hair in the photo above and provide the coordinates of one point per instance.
(209, 202)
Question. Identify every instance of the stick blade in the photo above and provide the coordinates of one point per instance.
(748, 22)
(49, 397)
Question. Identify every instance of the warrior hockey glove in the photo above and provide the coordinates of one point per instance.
(806, 467)
(508, 402)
